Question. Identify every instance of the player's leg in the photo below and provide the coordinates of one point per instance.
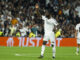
(43, 46)
(77, 50)
(53, 49)
(78, 45)
(52, 39)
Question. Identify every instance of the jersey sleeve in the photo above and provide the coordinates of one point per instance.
(55, 22)
(43, 17)
(76, 27)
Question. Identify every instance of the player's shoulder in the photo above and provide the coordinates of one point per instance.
(78, 24)
(44, 17)
(52, 19)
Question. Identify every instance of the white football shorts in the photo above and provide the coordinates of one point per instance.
(49, 36)
(78, 40)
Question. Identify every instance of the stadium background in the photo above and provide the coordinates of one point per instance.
(35, 42)
(22, 20)
(18, 15)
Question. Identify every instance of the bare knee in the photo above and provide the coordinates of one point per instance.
(44, 42)
(52, 44)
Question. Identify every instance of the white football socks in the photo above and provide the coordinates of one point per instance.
(77, 49)
(54, 51)
(42, 50)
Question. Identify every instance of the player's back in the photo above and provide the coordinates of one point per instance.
(78, 30)
(49, 24)
(78, 27)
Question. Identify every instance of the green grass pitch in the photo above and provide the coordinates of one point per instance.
(32, 53)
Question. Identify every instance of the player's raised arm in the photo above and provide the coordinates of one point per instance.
(41, 15)
(40, 12)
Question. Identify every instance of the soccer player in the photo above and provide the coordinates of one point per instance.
(77, 35)
(49, 24)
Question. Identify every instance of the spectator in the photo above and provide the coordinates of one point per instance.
(12, 30)
(34, 29)
(66, 12)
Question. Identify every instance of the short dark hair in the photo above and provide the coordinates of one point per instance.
(48, 15)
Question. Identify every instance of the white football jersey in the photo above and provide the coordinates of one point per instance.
(49, 24)
(78, 29)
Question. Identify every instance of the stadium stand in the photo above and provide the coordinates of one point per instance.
(66, 12)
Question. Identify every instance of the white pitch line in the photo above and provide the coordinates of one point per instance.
(17, 55)
(28, 55)
(37, 54)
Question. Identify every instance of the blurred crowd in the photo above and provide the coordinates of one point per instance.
(20, 17)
